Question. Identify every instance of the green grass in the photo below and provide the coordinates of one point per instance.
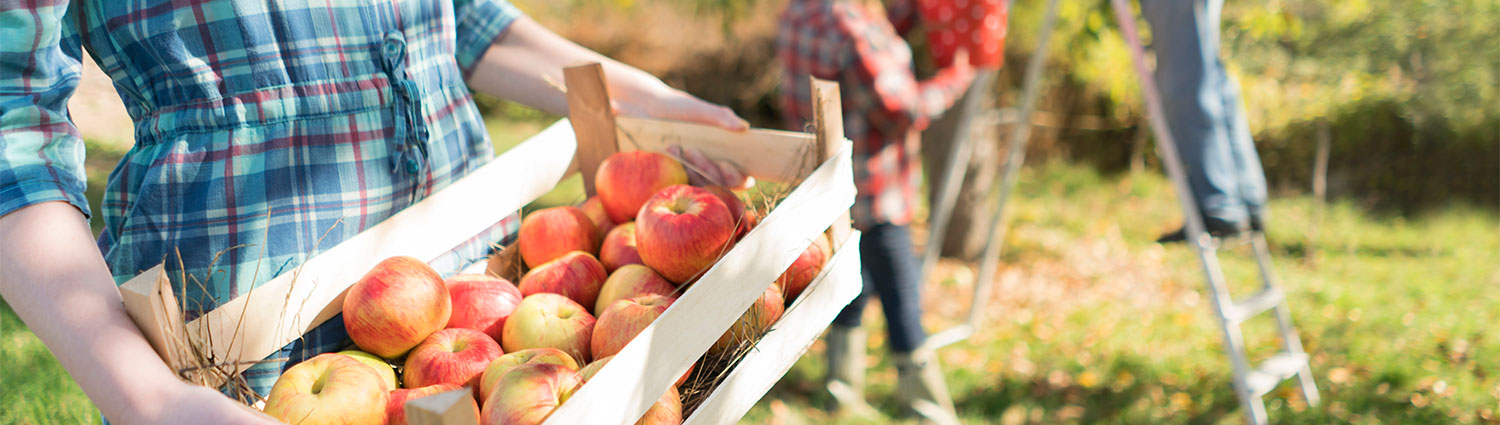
(1093, 323)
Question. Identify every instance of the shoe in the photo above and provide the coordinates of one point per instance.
(846, 371)
(921, 389)
(1217, 228)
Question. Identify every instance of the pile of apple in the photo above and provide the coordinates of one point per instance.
(599, 274)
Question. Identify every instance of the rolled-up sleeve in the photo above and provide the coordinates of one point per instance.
(479, 23)
(41, 154)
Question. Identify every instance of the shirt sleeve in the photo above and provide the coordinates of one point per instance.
(41, 154)
(478, 24)
(881, 63)
(902, 14)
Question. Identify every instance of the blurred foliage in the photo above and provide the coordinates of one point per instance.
(1409, 91)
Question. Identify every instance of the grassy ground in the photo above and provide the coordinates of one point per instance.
(1093, 323)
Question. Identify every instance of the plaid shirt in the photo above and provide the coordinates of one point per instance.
(265, 131)
(883, 103)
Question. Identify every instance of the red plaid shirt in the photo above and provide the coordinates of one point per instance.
(884, 104)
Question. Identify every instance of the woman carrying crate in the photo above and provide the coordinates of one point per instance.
(265, 133)
(855, 43)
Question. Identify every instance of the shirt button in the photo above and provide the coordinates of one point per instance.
(394, 48)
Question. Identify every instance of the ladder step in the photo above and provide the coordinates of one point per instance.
(1278, 368)
(1245, 309)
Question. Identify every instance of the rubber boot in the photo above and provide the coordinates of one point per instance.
(921, 389)
(846, 371)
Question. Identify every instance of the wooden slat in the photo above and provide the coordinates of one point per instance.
(774, 354)
(828, 124)
(151, 304)
(455, 407)
(285, 308)
(663, 351)
(772, 155)
(592, 117)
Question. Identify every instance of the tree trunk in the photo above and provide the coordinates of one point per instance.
(968, 228)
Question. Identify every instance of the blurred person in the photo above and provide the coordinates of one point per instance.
(855, 43)
(258, 128)
(1206, 117)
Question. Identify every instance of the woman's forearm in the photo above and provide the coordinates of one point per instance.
(52, 275)
(526, 64)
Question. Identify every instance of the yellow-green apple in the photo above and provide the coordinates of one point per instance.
(666, 411)
(756, 320)
(481, 302)
(528, 394)
(387, 373)
(552, 232)
(549, 320)
(743, 218)
(450, 356)
(625, 181)
(395, 306)
(594, 208)
(395, 410)
(807, 266)
(682, 230)
(618, 248)
(623, 320)
(329, 389)
(576, 275)
(631, 281)
(498, 367)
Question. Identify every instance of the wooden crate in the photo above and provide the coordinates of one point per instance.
(819, 164)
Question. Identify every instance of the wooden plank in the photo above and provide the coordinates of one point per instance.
(593, 118)
(662, 352)
(772, 155)
(455, 407)
(285, 308)
(838, 284)
(828, 124)
(151, 304)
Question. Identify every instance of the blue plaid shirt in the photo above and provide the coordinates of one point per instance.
(266, 132)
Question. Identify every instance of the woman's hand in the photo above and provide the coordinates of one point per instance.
(646, 96)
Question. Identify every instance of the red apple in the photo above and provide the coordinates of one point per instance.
(549, 320)
(481, 302)
(395, 306)
(626, 180)
(503, 364)
(666, 411)
(450, 356)
(807, 266)
(552, 232)
(631, 281)
(682, 230)
(623, 320)
(395, 410)
(618, 248)
(594, 208)
(329, 389)
(743, 218)
(756, 320)
(528, 394)
(576, 275)
(387, 373)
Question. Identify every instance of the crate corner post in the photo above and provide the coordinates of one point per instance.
(592, 117)
(828, 124)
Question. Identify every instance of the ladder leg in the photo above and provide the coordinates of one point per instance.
(1290, 340)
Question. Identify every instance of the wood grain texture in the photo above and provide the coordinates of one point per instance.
(592, 117)
(448, 408)
(773, 155)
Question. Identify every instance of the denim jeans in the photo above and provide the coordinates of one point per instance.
(1204, 109)
(890, 271)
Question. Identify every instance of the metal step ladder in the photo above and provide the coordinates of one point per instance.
(1250, 384)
